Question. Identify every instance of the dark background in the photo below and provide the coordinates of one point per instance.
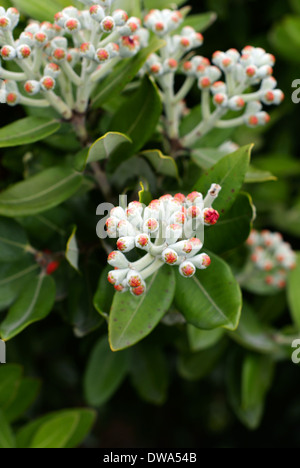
(196, 414)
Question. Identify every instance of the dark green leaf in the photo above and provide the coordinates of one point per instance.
(40, 192)
(63, 429)
(233, 228)
(7, 439)
(27, 130)
(248, 380)
(104, 374)
(194, 366)
(162, 164)
(137, 118)
(10, 379)
(13, 240)
(104, 295)
(211, 298)
(149, 373)
(102, 148)
(26, 394)
(124, 73)
(72, 252)
(230, 173)
(294, 293)
(253, 334)
(34, 303)
(203, 339)
(200, 22)
(132, 318)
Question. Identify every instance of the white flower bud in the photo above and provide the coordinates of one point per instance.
(142, 241)
(134, 279)
(120, 17)
(97, 13)
(5, 23)
(173, 233)
(201, 261)
(129, 46)
(26, 37)
(170, 257)
(8, 52)
(108, 24)
(116, 277)
(117, 259)
(72, 25)
(187, 269)
(151, 226)
(52, 69)
(236, 103)
(23, 51)
(126, 244)
(125, 228)
(32, 87)
(14, 16)
(102, 55)
(47, 83)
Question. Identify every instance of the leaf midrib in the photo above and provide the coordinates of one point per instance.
(30, 131)
(143, 298)
(40, 194)
(210, 299)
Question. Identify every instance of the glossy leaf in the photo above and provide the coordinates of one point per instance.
(253, 334)
(200, 22)
(161, 4)
(145, 196)
(132, 7)
(7, 439)
(230, 173)
(137, 118)
(40, 192)
(13, 278)
(149, 374)
(248, 380)
(255, 175)
(124, 73)
(62, 429)
(13, 240)
(72, 252)
(207, 157)
(26, 394)
(194, 366)
(102, 148)
(27, 130)
(104, 295)
(211, 298)
(34, 303)
(132, 318)
(203, 339)
(10, 379)
(233, 228)
(42, 11)
(294, 293)
(104, 374)
(162, 164)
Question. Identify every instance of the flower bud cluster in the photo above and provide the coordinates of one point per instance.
(273, 256)
(163, 23)
(252, 67)
(49, 55)
(169, 230)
